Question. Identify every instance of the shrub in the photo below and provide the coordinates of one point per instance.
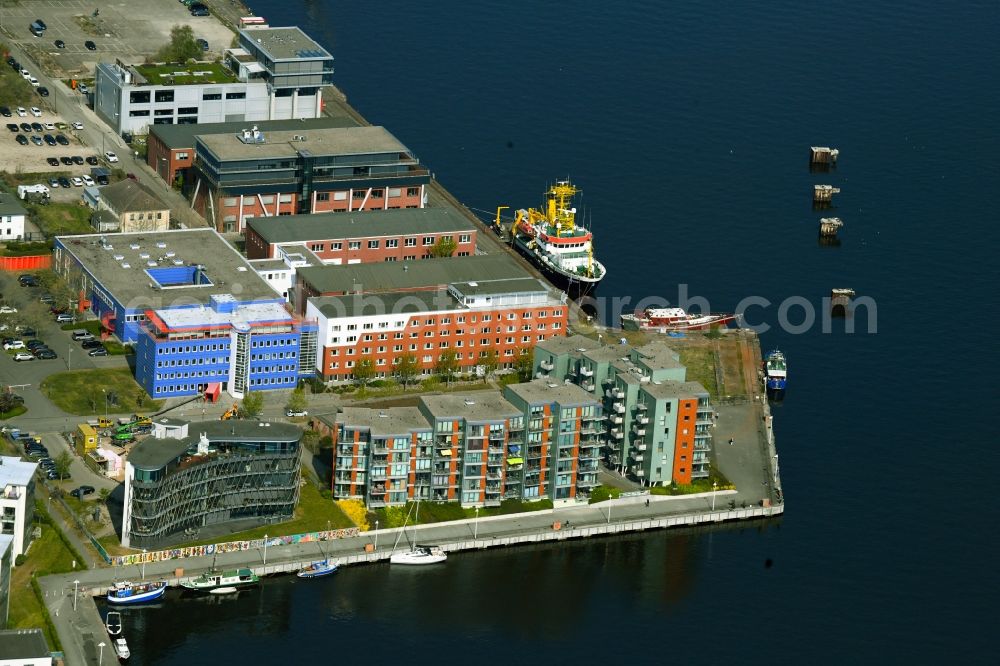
(356, 511)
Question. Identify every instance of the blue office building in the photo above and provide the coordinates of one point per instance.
(201, 318)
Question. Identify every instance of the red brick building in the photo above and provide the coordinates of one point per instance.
(364, 237)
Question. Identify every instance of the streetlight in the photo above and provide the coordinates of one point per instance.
(376, 536)
(76, 588)
(475, 531)
(265, 550)
(144, 564)
(69, 358)
(100, 654)
(715, 484)
(105, 392)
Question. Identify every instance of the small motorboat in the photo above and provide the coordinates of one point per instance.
(419, 555)
(224, 590)
(113, 623)
(318, 569)
(121, 649)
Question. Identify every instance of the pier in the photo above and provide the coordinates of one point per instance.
(823, 155)
(840, 302)
(829, 226)
(823, 194)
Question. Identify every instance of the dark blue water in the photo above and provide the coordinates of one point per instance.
(687, 125)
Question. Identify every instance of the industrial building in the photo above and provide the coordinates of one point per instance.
(211, 476)
(536, 440)
(658, 426)
(363, 237)
(272, 73)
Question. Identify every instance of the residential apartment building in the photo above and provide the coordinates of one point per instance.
(6, 569)
(273, 73)
(17, 501)
(134, 207)
(534, 441)
(12, 215)
(190, 476)
(363, 237)
(658, 425)
(468, 318)
(252, 173)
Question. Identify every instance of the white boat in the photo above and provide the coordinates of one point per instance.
(419, 555)
(126, 593)
(113, 623)
(213, 580)
(318, 569)
(224, 590)
(121, 649)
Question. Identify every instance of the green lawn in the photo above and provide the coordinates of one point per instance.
(57, 219)
(17, 411)
(92, 327)
(82, 391)
(184, 74)
(441, 512)
(16, 249)
(602, 493)
(313, 513)
(700, 364)
(47, 555)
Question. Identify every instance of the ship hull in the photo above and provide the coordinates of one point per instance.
(636, 323)
(575, 285)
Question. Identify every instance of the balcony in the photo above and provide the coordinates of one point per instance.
(641, 406)
(642, 419)
(615, 394)
(640, 446)
(587, 385)
(638, 457)
(639, 432)
(496, 449)
(617, 433)
(587, 483)
(586, 372)
(547, 366)
(619, 408)
(616, 419)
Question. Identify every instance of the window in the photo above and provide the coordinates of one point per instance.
(428, 240)
(464, 238)
(211, 97)
(413, 191)
(354, 245)
(337, 245)
(322, 196)
(410, 242)
(392, 242)
(316, 247)
(377, 194)
(183, 155)
(164, 95)
(188, 110)
(163, 112)
(141, 97)
(236, 95)
(373, 245)
(137, 114)
(358, 194)
(395, 192)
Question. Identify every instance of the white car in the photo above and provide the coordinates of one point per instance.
(111, 157)
(50, 127)
(7, 309)
(36, 112)
(23, 356)
(64, 318)
(16, 344)
(33, 81)
(290, 413)
(76, 181)
(25, 74)
(78, 125)
(88, 181)
(21, 111)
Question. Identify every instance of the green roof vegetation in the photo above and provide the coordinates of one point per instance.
(182, 75)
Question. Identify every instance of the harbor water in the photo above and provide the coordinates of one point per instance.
(687, 125)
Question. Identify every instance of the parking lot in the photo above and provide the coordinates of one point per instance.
(127, 30)
(48, 144)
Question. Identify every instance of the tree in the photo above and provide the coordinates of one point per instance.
(364, 371)
(445, 247)
(447, 364)
(63, 463)
(182, 46)
(489, 361)
(523, 364)
(407, 368)
(253, 404)
(297, 400)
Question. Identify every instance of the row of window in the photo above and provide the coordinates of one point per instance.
(272, 381)
(390, 243)
(460, 319)
(394, 192)
(351, 339)
(335, 365)
(217, 360)
(187, 349)
(274, 356)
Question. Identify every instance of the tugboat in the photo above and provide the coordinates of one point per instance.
(555, 243)
(672, 319)
(775, 374)
(126, 593)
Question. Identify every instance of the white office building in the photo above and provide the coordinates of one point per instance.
(17, 500)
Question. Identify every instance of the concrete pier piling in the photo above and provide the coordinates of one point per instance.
(824, 193)
(829, 226)
(840, 301)
(824, 155)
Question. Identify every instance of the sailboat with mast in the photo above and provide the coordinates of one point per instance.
(416, 554)
(320, 568)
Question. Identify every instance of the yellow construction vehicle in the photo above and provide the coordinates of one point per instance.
(231, 412)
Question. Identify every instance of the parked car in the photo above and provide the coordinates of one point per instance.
(82, 334)
(21, 139)
(111, 157)
(290, 413)
(5, 111)
(202, 43)
(77, 125)
(37, 140)
(77, 159)
(60, 44)
(83, 89)
(12, 127)
(87, 180)
(45, 354)
(32, 344)
(64, 318)
(47, 298)
(82, 491)
(67, 160)
(77, 182)
(49, 139)
(199, 10)
(13, 344)
(53, 162)
(102, 179)
(25, 127)
(23, 356)
(36, 112)
(8, 309)
(41, 24)
(64, 182)
(26, 331)
(22, 112)
(53, 476)
(49, 127)
(91, 46)
(91, 160)
(62, 140)
(43, 91)
(98, 352)
(54, 182)
(27, 280)
(33, 81)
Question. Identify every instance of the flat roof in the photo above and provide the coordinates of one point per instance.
(674, 389)
(244, 315)
(16, 472)
(23, 644)
(418, 274)
(285, 43)
(318, 142)
(384, 422)
(575, 344)
(183, 136)
(325, 226)
(657, 355)
(173, 74)
(605, 353)
(495, 287)
(355, 305)
(154, 453)
(474, 406)
(540, 391)
(135, 289)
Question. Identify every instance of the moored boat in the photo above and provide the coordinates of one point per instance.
(136, 593)
(213, 579)
(318, 569)
(419, 555)
(553, 241)
(113, 623)
(775, 373)
(121, 649)
(224, 590)
(672, 319)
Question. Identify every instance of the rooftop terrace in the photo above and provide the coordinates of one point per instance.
(183, 75)
(284, 43)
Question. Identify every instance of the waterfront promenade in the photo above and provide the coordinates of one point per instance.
(81, 630)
